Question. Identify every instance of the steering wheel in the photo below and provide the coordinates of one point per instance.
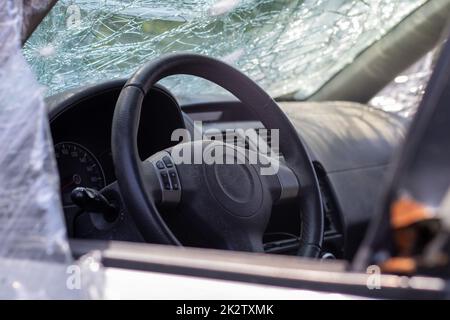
(230, 205)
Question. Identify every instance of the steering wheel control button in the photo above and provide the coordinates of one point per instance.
(160, 165)
(168, 162)
(166, 182)
(167, 176)
(174, 179)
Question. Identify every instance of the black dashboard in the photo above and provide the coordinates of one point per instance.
(81, 131)
(351, 146)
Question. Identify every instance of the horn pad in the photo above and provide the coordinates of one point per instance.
(237, 187)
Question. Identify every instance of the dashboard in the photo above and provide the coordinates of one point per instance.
(81, 134)
(351, 146)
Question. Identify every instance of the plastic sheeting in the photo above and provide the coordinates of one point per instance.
(286, 46)
(34, 251)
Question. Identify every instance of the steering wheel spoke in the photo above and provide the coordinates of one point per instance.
(286, 185)
(162, 179)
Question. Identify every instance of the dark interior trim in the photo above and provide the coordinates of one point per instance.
(35, 18)
(380, 63)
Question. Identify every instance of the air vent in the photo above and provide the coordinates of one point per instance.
(333, 236)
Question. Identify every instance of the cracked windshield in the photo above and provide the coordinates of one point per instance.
(290, 48)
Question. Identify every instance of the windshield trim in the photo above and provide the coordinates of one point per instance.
(355, 82)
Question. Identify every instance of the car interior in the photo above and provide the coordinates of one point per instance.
(341, 152)
(351, 146)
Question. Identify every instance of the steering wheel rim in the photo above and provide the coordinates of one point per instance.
(128, 166)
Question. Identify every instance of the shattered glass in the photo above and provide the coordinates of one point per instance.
(403, 95)
(34, 250)
(285, 46)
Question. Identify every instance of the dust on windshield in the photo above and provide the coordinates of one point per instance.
(285, 46)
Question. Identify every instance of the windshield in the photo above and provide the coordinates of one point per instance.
(287, 47)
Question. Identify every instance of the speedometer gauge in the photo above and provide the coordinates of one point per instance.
(77, 167)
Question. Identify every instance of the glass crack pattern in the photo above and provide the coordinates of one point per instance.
(285, 46)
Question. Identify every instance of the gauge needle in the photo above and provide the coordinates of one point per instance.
(67, 185)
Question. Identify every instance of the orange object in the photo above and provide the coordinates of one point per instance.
(406, 211)
(404, 265)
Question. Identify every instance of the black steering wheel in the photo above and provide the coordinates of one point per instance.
(230, 205)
